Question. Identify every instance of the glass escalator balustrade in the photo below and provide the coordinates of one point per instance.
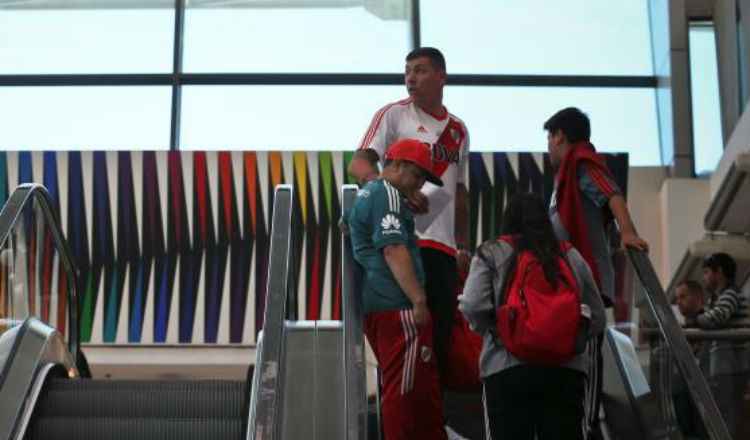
(666, 372)
(33, 279)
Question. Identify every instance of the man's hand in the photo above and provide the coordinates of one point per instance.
(421, 315)
(418, 202)
(632, 240)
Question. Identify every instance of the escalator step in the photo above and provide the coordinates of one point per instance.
(54, 428)
(142, 399)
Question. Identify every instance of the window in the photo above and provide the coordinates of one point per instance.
(573, 37)
(259, 39)
(60, 41)
(280, 117)
(511, 118)
(336, 117)
(100, 118)
(708, 143)
(331, 37)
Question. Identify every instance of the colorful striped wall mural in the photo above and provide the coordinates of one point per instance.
(172, 246)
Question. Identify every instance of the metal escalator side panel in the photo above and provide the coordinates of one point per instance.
(329, 406)
(312, 393)
(36, 347)
(671, 331)
(354, 362)
(264, 411)
(297, 390)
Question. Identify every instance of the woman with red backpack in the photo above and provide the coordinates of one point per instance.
(536, 304)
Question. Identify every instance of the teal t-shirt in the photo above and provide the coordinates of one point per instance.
(378, 218)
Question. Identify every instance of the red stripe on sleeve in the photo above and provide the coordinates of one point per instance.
(600, 181)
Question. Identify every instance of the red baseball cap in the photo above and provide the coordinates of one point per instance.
(416, 152)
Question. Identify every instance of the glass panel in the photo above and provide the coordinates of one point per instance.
(33, 281)
(663, 399)
(511, 118)
(38, 41)
(344, 36)
(280, 117)
(589, 37)
(708, 142)
(59, 118)
(336, 117)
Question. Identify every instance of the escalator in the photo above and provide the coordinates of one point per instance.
(43, 394)
(310, 375)
(309, 382)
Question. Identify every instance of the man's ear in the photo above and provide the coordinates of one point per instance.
(443, 77)
(559, 138)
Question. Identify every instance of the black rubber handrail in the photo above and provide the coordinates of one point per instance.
(677, 343)
(265, 417)
(355, 397)
(22, 196)
(727, 334)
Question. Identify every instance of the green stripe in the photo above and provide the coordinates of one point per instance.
(88, 297)
(325, 167)
(110, 323)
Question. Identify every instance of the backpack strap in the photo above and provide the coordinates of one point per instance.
(511, 241)
(566, 246)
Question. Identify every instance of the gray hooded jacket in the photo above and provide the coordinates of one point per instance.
(480, 296)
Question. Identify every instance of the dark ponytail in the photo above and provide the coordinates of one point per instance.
(526, 218)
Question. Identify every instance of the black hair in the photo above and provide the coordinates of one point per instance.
(436, 57)
(526, 218)
(724, 261)
(371, 156)
(573, 122)
(693, 286)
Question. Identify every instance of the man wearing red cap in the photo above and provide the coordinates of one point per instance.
(441, 212)
(397, 323)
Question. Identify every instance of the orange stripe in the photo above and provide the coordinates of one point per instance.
(250, 179)
(274, 162)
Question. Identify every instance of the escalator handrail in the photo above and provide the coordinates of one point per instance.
(355, 399)
(22, 196)
(677, 343)
(265, 413)
(736, 334)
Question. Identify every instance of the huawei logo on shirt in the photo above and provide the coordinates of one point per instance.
(421, 129)
(390, 224)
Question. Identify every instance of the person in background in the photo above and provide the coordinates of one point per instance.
(729, 361)
(522, 400)
(586, 198)
(397, 322)
(364, 166)
(690, 298)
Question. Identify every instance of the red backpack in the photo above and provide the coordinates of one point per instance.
(537, 322)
